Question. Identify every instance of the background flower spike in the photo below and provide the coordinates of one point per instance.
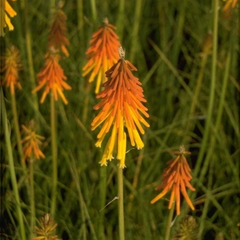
(176, 177)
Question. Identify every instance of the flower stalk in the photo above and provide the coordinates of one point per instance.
(32, 152)
(16, 127)
(54, 155)
(121, 205)
(22, 234)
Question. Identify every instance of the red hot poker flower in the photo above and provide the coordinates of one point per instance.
(57, 37)
(11, 67)
(121, 103)
(52, 76)
(31, 142)
(102, 53)
(176, 177)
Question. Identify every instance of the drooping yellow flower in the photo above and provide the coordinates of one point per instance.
(102, 53)
(31, 142)
(121, 107)
(58, 38)
(5, 11)
(52, 76)
(11, 66)
(176, 177)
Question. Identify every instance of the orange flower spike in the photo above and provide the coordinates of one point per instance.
(58, 38)
(53, 77)
(5, 11)
(31, 142)
(102, 53)
(176, 177)
(11, 67)
(121, 102)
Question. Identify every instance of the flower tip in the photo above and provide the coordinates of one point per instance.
(103, 163)
(105, 21)
(98, 144)
(121, 52)
(122, 166)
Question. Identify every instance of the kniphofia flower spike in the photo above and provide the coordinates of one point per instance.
(52, 76)
(46, 229)
(31, 142)
(11, 66)
(176, 177)
(102, 53)
(121, 104)
(58, 38)
(5, 11)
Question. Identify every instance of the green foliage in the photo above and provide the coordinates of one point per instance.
(163, 39)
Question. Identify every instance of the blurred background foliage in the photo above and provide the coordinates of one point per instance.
(170, 43)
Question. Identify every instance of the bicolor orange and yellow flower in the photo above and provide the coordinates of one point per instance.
(176, 177)
(6, 11)
(11, 66)
(31, 142)
(52, 77)
(121, 108)
(102, 53)
(58, 38)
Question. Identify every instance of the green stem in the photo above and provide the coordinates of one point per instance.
(179, 32)
(54, 156)
(11, 167)
(28, 38)
(190, 124)
(224, 89)
(134, 36)
(86, 104)
(16, 127)
(169, 222)
(218, 121)
(80, 17)
(120, 205)
(120, 21)
(209, 121)
(211, 149)
(207, 202)
(52, 7)
(84, 210)
(32, 197)
(103, 187)
(94, 10)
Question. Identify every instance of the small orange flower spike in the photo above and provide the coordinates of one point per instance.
(11, 67)
(121, 103)
(102, 53)
(52, 76)
(176, 177)
(5, 11)
(31, 142)
(46, 229)
(57, 37)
